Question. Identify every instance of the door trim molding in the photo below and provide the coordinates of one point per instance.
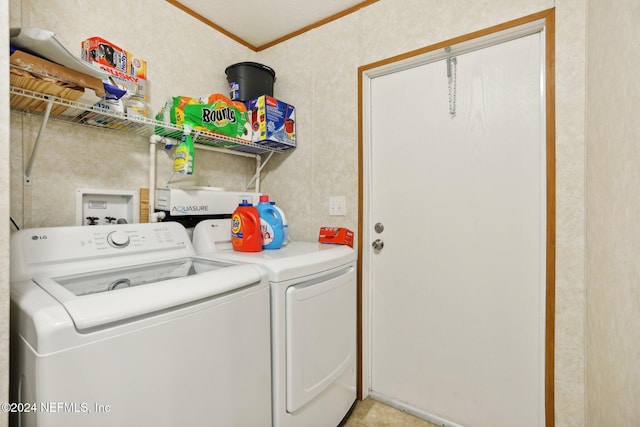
(544, 19)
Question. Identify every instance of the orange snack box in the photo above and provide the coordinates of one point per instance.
(336, 235)
(101, 52)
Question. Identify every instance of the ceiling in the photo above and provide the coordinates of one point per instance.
(258, 24)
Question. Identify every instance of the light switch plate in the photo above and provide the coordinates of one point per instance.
(337, 206)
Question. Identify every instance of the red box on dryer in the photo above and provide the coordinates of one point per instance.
(336, 235)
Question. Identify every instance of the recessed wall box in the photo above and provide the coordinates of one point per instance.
(100, 207)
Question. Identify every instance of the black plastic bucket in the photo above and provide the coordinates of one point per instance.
(249, 80)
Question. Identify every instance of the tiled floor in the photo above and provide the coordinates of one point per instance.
(370, 413)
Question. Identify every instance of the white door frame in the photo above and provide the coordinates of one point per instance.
(543, 21)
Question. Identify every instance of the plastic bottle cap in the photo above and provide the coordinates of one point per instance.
(264, 199)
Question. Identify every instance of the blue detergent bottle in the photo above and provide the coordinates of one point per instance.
(271, 224)
(285, 224)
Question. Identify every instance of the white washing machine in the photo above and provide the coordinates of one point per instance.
(119, 325)
(313, 324)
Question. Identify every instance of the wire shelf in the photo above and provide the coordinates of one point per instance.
(76, 112)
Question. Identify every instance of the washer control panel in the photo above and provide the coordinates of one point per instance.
(102, 242)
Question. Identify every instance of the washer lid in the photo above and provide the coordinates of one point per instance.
(116, 279)
(105, 297)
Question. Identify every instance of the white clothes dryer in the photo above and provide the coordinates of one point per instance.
(120, 325)
(313, 323)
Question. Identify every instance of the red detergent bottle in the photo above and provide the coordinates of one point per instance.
(245, 228)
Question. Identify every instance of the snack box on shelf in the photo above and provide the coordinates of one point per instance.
(100, 51)
(125, 69)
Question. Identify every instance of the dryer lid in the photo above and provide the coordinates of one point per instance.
(297, 260)
(212, 239)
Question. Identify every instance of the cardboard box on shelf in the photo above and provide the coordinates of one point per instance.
(135, 66)
(40, 75)
(44, 68)
(273, 122)
(30, 81)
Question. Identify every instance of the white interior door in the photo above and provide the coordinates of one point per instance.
(457, 293)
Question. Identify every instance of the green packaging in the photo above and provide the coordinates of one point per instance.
(218, 117)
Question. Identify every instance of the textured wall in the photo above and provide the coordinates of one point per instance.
(613, 203)
(317, 72)
(4, 211)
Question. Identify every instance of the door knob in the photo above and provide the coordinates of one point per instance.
(377, 244)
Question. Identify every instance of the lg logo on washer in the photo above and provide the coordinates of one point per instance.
(43, 237)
